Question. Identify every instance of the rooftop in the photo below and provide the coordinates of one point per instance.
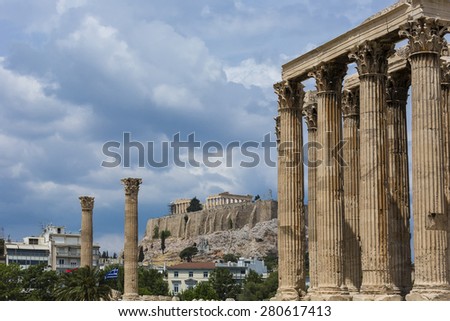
(193, 266)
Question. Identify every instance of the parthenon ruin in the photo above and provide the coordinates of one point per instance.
(358, 173)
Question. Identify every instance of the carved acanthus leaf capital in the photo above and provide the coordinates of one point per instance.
(397, 87)
(350, 103)
(131, 185)
(424, 34)
(372, 57)
(310, 110)
(87, 202)
(329, 76)
(290, 94)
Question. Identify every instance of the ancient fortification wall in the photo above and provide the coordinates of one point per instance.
(224, 218)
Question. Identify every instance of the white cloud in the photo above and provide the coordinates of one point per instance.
(62, 6)
(176, 97)
(249, 73)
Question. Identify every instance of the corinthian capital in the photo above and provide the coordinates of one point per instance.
(131, 185)
(329, 76)
(87, 202)
(350, 103)
(372, 57)
(277, 128)
(424, 34)
(290, 94)
(397, 86)
(310, 110)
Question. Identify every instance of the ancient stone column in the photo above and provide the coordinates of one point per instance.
(430, 217)
(87, 205)
(131, 186)
(445, 69)
(329, 208)
(352, 251)
(310, 116)
(372, 63)
(290, 193)
(398, 179)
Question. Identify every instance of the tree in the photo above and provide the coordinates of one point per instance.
(156, 232)
(83, 284)
(257, 289)
(222, 282)
(194, 205)
(271, 261)
(188, 253)
(229, 257)
(151, 282)
(38, 283)
(202, 291)
(11, 288)
(164, 235)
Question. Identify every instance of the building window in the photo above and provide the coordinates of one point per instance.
(205, 274)
(74, 264)
(175, 274)
(191, 274)
(33, 241)
(61, 261)
(175, 288)
(242, 271)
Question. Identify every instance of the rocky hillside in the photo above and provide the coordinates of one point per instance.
(246, 229)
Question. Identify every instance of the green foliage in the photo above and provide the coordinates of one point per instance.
(156, 232)
(10, 283)
(151, 282)
(38, 283)
(222, 282)
(83, 284)
(229, 257)
(188, 253)
(164, 235)
(202, 291)
(271, 262)
(257, 289)
(194, 205)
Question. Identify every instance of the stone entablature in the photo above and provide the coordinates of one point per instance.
(359, 222)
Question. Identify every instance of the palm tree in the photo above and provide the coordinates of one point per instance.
(83, 284)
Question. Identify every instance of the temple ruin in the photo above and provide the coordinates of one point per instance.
(358, 172)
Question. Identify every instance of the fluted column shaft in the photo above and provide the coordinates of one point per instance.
(310, 116)
(446, 138)
(352, 252)
(371, 59)
(329, 186)
(87, 205)
(398, 179)
(131, 186)
(290, 193)
(430, 217)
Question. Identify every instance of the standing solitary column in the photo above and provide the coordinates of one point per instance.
(310, 116)
(372, 61)
(399, 212)
(131, 186)
(87, 205)
(291, 268)
(430, 218)
(329, 207)
(352, 252)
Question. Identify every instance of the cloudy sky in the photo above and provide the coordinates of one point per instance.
(76, 74)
